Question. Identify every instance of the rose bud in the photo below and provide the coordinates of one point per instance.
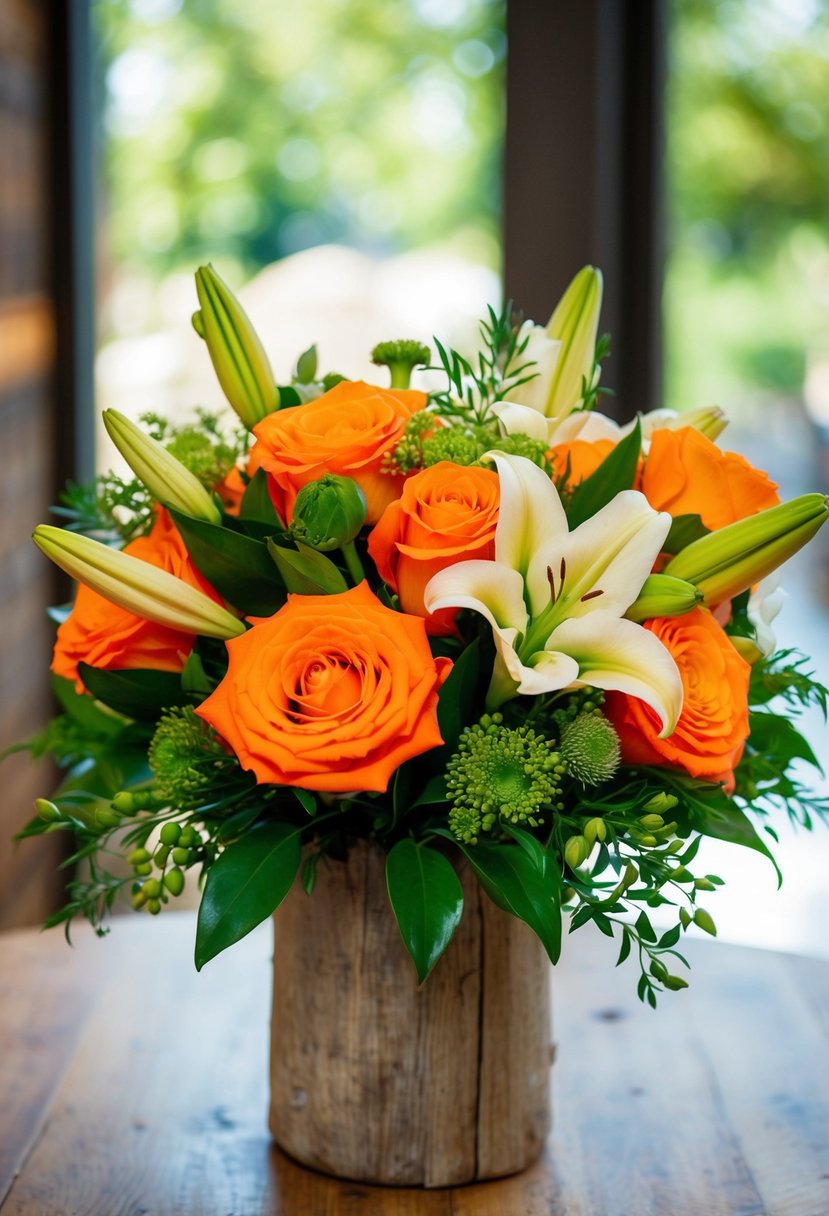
(328, 513)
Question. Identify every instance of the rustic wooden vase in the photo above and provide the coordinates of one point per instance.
(375, 1079)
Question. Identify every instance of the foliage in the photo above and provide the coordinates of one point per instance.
(376, 126)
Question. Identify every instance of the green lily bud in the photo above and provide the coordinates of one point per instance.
(401, 358)
(237, 354)
(662, 595)
(732, 559)
(575, 324)
(595, 829)
(660, 803)
(165, 477)
(652, 821)
(575, 851)
(711, 421)
(47, 810)
(136, 585)
(328, 513)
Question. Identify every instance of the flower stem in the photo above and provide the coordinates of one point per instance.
(352, 561)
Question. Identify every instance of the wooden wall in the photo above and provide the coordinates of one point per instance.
(29, 882)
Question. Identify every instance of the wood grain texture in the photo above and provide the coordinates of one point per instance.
(376, 1079)
(131, 1086)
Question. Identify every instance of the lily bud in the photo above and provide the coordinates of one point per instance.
(238, 356)
(575, 324)
(328, 513)
(165, 477)
(662, 595)
(135, 585)
(728, 561)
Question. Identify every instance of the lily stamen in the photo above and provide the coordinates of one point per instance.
(551, 580)
(591, 595)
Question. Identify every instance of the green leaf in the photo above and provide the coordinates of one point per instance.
(288, 397)
(713, 813)
(624, 949)
(83, 710)
(684, 530)
(137, 693)
(645, 928)
(616, 472)
(194, 678)
(529, 844)
(433, 793)
(457, 695)
(771, 735)
(427, 901)
(237, 566)
(305, 799)
(245, 885)
(256, 501)
(306, 572)
(511, 879)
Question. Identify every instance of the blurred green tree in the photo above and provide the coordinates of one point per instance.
(245, 131)
(748, 173)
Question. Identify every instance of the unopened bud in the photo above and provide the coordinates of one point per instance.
(703, 920)
(328, 513)
(652, 821)
(674, 983)
(47, 810)
(575, 851)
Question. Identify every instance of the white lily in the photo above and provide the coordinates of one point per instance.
(564, 351)
(555, 599)
(590, 425)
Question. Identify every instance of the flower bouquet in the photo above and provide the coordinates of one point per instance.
(410, 646)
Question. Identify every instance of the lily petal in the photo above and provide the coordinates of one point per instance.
(521, 420)
(619, 655)
(491, 588)
(530, 513)
(612, 552)
(587, 425)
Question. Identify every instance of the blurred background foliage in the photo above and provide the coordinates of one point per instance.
(747, 284)
(242, 132)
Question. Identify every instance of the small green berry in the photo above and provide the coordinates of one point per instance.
(174, 882)
(170, 833)
(180, 856)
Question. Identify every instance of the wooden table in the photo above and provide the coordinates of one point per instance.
(131, 1086)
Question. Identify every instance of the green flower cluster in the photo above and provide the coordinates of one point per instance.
(501, 774)
(184, 756)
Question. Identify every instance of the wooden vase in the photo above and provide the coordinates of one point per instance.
(376, 1079)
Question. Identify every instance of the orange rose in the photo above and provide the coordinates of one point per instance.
(331, 693)
(687, 474)
(584, 455)
(104, 635)
(713, 726)
(446, 514)
(231, 491)
(348, 430)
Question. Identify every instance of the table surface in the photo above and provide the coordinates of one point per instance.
(131, 1086)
